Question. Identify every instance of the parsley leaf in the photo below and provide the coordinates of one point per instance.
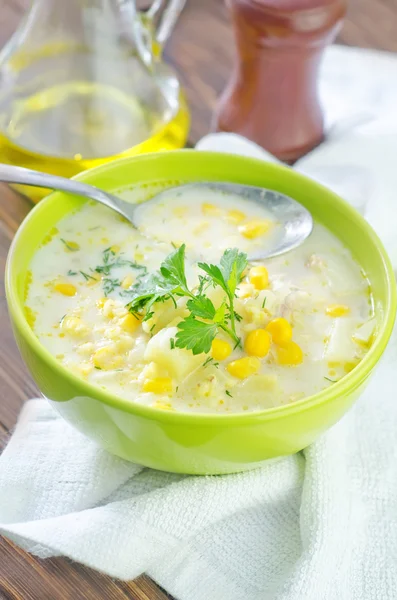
(204, 282)
(148, 290)
(233, 264)
(201, 306)
(173, 268)
(228, 275)
(195, 335)
(219, 316)
(215, 274)
(171, 279)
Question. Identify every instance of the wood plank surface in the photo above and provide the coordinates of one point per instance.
(61, 578)
(201, 50)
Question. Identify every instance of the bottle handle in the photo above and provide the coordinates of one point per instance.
(149, 36)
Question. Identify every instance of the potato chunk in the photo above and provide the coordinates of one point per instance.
(178, 362)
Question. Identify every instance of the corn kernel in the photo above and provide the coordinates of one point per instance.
(220, 349)
(289, 354)
(280, 330)
(259, 277)
(257, 342)
(245, 290)
(255, 316)
(254, 228)
(53, 231)
(337, 310)
(113, 332)
(85, 349)
(159, 385)
(235, 216)
(85, 368)
(71, 246)
(66, 289)
(210, 209)
(130, 323)
(349, 366)
(127, 282)
(30, 316)
(101, 302)
(94, 279)
(244, 367)
(75, 327)
(124, 343)
(180, 211)
(163, 405)
(106, 359)
(334, 364)
(108, 308)
(201, 227)
(363, 343)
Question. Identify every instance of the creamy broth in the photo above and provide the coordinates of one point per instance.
(304, 320)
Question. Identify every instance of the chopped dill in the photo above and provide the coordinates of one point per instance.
(87, 277)
(207, 361)
(210, 360)
(109, 285)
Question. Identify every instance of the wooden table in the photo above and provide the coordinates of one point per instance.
(201, 49)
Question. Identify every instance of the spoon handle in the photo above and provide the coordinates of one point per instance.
(20, 175)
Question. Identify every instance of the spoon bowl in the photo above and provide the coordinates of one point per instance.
(295, 220)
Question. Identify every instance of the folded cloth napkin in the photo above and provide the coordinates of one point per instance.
(319, 525)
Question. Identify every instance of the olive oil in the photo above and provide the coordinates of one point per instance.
(77, 125)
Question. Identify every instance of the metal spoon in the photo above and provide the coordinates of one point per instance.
(296, 221)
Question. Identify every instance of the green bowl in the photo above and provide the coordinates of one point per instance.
(186, 442)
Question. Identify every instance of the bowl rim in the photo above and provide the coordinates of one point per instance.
(347, 384)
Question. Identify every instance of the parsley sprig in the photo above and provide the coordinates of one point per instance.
(228, 276)
(197, 331)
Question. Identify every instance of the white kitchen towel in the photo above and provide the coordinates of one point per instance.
(320, 525)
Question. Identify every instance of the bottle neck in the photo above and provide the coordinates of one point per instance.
(293, 24)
